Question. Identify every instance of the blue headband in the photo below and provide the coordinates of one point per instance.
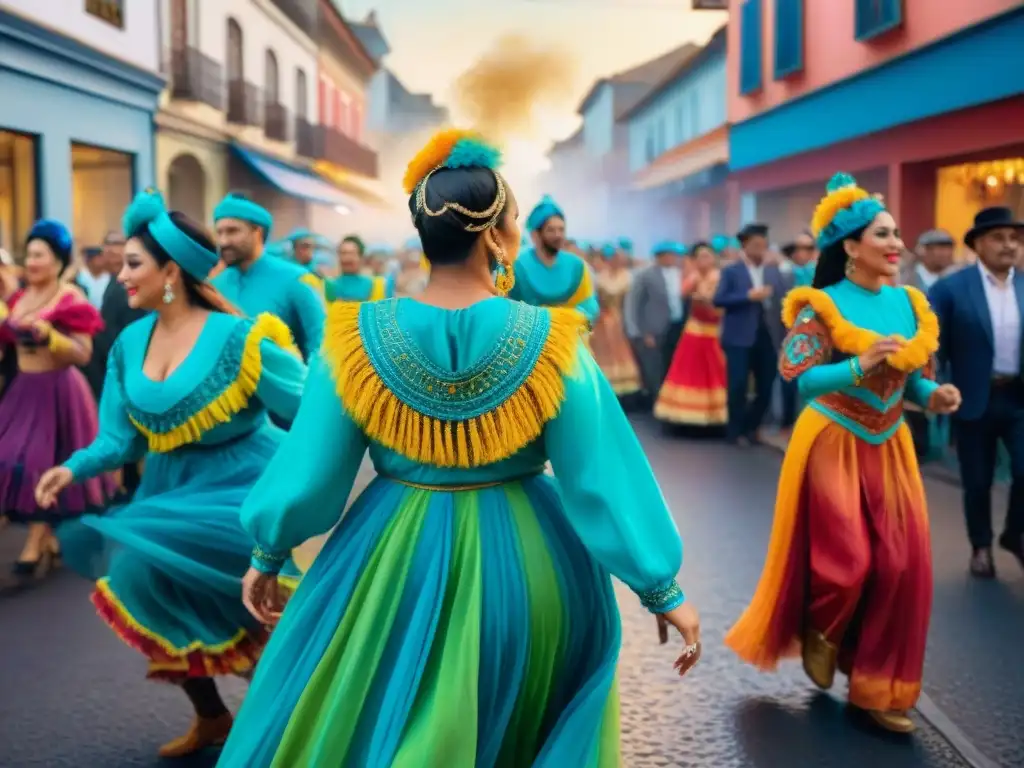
(847, 219)
(147, 209)
(670, 246)
(235, 207)
(719, 243)
(544, 210)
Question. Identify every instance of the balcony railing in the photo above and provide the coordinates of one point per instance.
(244, 102)
(275, 122)
(337, 148)
(305, 138)
(195, 77)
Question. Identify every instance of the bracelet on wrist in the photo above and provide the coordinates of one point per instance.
(267, 562)
(662, 599)
(856, 370)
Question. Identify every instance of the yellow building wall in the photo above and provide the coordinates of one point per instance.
(212, 160)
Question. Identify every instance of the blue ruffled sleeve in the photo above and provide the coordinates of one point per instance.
(302, 492)
(611, 496)
(281, 380)
(117, 442)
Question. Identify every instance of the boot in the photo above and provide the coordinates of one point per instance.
(204, 732)
(819, 657)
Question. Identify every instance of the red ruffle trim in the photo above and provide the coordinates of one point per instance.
(235, 659)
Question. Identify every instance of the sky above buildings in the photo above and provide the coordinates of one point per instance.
(574, 42)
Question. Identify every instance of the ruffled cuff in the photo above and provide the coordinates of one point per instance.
(662, 599)
(267, 562)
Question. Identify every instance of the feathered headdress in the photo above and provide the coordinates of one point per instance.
(844, 209)
(453, 148)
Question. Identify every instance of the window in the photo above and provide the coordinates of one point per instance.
(301, 101)
(102, 185)
(110, 11)
(789, 37)
(19, 200)
(750, 50)
(876, 17)
(271, 79)
(235, 68)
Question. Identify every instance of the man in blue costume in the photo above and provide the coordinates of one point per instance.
(352, 284)
(255, 284)
(548, 276)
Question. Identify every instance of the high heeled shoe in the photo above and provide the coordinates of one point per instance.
(36, 569)
(204, 732)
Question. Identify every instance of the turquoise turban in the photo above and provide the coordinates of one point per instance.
(148, 210)
(544, 210)
(237, 207)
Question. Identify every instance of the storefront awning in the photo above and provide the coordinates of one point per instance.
(360, 187)
(702, 153)
(292, 180)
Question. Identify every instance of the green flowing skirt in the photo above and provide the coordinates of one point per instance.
(452, 629)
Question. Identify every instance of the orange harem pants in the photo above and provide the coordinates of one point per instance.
(850, 557)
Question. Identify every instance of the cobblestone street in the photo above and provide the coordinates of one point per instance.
(74, 696)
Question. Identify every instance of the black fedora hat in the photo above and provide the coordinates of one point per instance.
(988, 219)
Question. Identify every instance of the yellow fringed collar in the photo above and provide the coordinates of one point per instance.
(224, 400)
(469, 419)
(852, 340)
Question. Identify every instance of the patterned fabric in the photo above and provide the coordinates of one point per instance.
(807, 344)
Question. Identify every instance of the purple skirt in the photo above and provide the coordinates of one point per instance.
(44, 418)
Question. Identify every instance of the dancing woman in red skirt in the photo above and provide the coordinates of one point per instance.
(694, 392)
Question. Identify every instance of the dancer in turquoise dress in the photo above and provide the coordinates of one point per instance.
(257, 285)
(548, 276)
(462, 613)
(188, 387)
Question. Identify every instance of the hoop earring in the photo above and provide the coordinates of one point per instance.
(504, 276)
(851, 266)
(168, 293)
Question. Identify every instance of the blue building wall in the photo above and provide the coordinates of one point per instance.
(599, 122)
(976, 66)
(60, 91)
(690, 107)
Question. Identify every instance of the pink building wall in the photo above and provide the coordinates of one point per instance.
(831, 53)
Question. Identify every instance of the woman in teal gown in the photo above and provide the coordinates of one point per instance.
(462, 613)
(188, 387)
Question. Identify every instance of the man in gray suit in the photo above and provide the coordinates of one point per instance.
(654, 314)
(931, 260)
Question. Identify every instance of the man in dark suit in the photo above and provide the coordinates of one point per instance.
(750, 291)
(981, 315)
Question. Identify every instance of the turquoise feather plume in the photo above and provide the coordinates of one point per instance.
(473, 153)
(146, 206)
(840, 181)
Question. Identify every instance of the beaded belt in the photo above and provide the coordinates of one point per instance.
(466, 487)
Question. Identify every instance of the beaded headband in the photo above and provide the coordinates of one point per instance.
(489, 216)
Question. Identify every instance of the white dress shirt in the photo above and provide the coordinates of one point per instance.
(673, 277)
(95, 286)
(1005, 314)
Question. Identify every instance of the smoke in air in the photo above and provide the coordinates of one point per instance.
(506, 92)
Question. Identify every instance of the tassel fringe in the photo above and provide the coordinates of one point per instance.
(235, 397)
(478, 441)
(851, 340)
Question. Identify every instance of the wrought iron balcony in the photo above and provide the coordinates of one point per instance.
(337, 148)
(275, 122)
(244, 102)
(305, 138)
(195, 77)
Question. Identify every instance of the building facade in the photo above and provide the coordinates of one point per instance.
(241, 111)
(923, 102)
(679, 147)
(80, 83)
(590, 171)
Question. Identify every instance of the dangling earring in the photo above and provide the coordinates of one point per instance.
(851, 266)
(168, 293)
(504, 277)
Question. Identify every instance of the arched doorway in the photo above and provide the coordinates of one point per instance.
(186, 186)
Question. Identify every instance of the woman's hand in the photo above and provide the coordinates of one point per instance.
(51, 484)
(41, 330)
(945, 400)
(876, 355)
(685, 619)
(261, 596)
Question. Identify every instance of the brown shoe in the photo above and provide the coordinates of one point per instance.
(204, 732)
(892, 721)
(819, 657)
